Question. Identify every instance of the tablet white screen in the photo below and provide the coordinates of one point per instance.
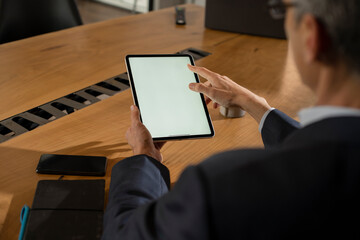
(168, 107)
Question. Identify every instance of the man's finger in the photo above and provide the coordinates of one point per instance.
(207, 83)
(135, 115)
(127, 135)
(200, 88)
(159, 145)
(207, 100)
(204, 72)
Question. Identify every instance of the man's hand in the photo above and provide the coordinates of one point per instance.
(221, 90)
(139, 138)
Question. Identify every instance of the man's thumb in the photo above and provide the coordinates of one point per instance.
(135, 114)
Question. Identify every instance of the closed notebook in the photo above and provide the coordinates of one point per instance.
(65, 209)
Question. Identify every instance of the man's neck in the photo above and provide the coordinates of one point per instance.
(338, 87)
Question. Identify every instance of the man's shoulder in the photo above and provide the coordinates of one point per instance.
(243, 165)
(281, 187)
(237, 158)
(245, 158)
(285, 161)
(342, 130)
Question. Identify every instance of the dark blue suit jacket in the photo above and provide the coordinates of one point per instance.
(304, 185)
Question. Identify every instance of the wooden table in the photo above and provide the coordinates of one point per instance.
(37, 70)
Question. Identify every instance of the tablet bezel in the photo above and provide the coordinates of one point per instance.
(134, 95)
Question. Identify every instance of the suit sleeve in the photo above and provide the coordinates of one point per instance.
(277, 127)
(140, 206)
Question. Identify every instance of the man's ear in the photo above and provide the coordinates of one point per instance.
(312, 38)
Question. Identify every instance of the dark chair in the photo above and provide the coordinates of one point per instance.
(26, 18)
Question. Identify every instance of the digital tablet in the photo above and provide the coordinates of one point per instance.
(160, 89)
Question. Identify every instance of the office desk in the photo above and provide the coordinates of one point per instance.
(37, 70)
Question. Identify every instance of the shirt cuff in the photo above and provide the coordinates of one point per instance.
(264, 118)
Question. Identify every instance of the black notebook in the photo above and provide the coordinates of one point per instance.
(65, 209)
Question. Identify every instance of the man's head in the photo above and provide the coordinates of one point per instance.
(323, 33)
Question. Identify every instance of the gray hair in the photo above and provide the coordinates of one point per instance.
(341, 20)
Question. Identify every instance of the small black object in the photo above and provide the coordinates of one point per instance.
(72, 165)
(180, 15)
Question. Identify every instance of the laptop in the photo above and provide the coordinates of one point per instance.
(243, 16)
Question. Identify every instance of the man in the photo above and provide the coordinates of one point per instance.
(305, 184)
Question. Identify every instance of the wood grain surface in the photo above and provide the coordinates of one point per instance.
(40, 69)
